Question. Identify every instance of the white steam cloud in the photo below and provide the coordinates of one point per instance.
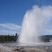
(9, 28)
(37, 21)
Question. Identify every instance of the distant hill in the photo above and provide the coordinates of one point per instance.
(46, 38)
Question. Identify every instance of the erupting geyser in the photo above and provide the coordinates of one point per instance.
(34, 22)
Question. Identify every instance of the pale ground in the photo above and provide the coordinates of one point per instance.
(25, 49)
(5, 49)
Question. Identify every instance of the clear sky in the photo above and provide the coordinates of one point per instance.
(12, 11)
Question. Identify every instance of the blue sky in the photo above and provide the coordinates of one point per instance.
(12, 11)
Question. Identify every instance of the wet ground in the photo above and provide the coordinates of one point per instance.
(17, 48)
(33, 49)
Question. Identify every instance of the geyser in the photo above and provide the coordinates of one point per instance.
(35, 21)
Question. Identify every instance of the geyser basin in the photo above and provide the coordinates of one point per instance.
(35, 22)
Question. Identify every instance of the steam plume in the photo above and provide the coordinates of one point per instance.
(34, 23)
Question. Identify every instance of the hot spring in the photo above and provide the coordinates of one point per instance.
(35, 22)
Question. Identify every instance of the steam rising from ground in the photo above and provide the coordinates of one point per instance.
(34, 23)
